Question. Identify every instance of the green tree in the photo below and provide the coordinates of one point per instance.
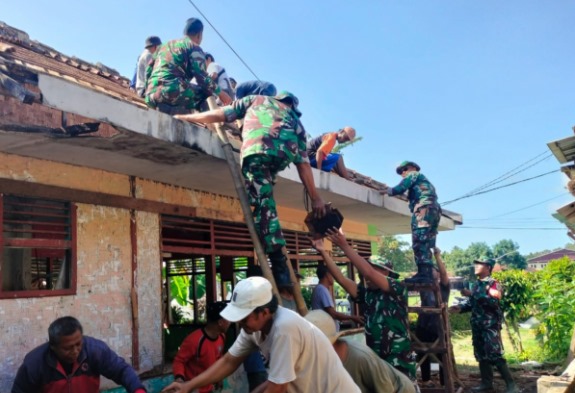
(555, 299)
(397, 251)
(477, 250)
(506, 252)
(454, 260)
(518, 290)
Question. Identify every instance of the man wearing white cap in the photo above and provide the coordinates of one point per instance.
(371, 373)
(301, 358)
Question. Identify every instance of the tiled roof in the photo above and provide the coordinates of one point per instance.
(18, 52)
(553, 255)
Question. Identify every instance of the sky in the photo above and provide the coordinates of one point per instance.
(468, 90)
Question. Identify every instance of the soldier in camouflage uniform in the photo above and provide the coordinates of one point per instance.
(486, 320)
(171, 70)
(425, 216)
(273, 138)
(385, 301)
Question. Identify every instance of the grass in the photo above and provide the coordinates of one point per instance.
(463, 349)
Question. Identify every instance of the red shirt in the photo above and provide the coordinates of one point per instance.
(196, 354)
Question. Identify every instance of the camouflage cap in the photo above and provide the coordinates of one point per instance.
(401, 166)
(287, 97)
(384, 264)
(486, 261)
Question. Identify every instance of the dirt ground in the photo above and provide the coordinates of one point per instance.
(526, 379)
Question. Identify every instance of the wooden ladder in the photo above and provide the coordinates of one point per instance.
(441, 346)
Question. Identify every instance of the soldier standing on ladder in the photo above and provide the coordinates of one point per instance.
(425, 219)
(273, 138)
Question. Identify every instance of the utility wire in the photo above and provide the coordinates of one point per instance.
(518, 169)
(515, 229)
(530, 206)
(497, 188)
(225, 41)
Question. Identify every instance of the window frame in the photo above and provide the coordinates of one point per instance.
(59, 244)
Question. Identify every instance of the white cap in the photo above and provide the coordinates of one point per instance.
(324, 322)
(248, 294)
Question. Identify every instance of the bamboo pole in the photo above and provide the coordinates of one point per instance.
(244, 202)
(247, 211)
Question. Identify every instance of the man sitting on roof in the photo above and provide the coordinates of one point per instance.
(152, 45)
(273, 138)
(175, 64)
(219, 75)
(320, 155)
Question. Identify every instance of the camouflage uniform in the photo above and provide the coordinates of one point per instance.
(486, 320)
(273, 137)
(170, 72)
(387, 325)
(426, 213)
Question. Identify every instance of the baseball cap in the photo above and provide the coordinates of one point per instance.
(153, 41)
(324, 322)
(486, 261)
(383, 263)
(248, 294)
(287, 97)
(404, 164)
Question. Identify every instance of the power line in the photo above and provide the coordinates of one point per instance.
(223, 39)
(518, 210)
(530, 206)
(515, 229)
(510, 173)
(497, 188)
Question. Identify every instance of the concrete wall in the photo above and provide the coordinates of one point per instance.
(104, 263)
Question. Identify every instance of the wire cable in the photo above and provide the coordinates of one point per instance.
(518, 169)
(515, 229)
(500, 187)
(225, 41)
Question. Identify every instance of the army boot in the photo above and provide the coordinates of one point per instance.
(280, 269)
(424, 275)
(507, 377)
(486, 371)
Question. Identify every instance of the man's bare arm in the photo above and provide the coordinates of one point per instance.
(306, 176)
(208, 117)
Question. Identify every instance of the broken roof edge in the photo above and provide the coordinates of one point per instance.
(21, 38)
(71, 97)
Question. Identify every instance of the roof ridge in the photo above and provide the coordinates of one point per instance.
(21, 38)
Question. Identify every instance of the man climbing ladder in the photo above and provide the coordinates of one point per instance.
(273, 137)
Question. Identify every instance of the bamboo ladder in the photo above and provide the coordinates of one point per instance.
(237, 178)
(441, 346)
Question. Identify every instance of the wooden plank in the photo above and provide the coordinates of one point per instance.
(16, 187)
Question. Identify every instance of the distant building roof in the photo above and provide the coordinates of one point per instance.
(553, 255)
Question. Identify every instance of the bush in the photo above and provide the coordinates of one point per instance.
(460, 322)
(555, 298)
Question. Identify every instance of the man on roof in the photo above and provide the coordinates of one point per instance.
(426, 213)
(219, 75)
(273, 137)
(170, 73)
(320, 155)
(151, 46)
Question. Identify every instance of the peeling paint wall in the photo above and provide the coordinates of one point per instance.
(104, 263)
(102, 302)
(149, 285)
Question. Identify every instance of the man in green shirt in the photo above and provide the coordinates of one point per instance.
(174, 65)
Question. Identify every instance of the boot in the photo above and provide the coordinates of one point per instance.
(486, 371)
(507, 377)
(280, 270)
(424, 275)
